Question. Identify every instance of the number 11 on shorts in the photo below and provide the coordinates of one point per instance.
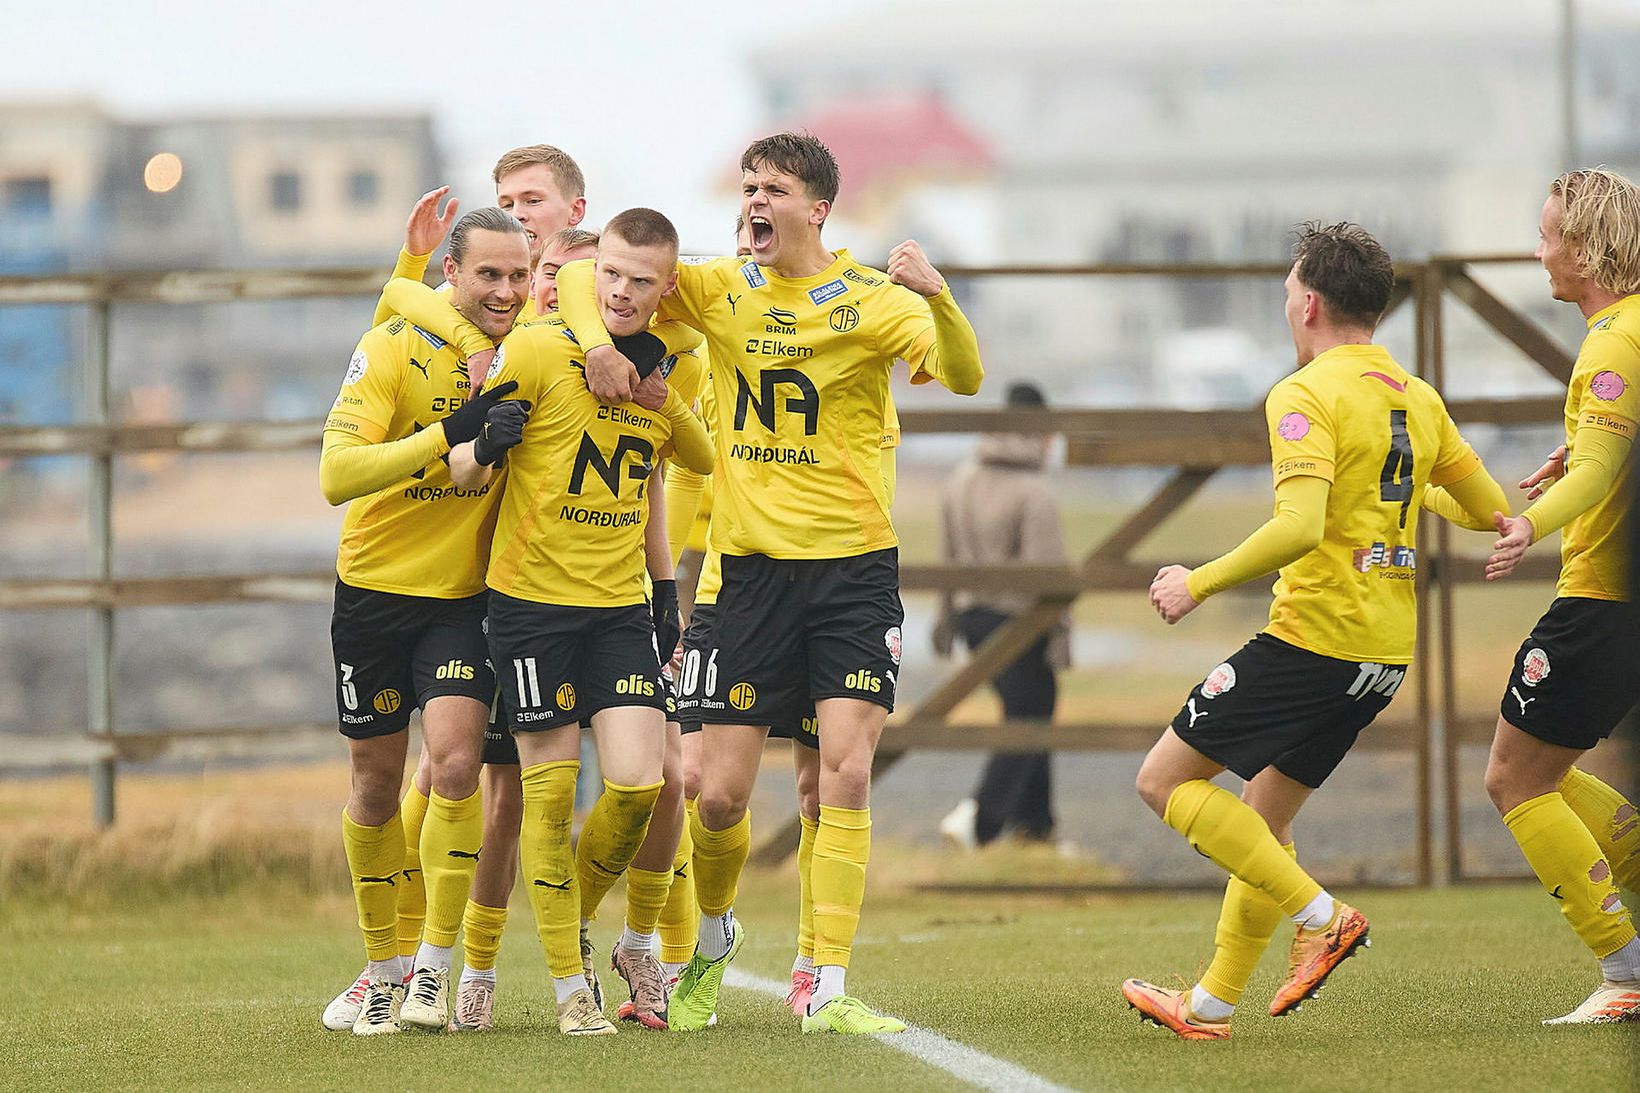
(529, 685)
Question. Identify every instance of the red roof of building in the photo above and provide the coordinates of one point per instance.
(881, 138)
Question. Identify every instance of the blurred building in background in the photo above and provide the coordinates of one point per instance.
(81, 189)
(1104, 133)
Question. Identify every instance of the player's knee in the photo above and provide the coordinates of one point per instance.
(691, 781)
(719, 809)
(1154, 788)
(455, 770)
(375, 796)
(808, 801)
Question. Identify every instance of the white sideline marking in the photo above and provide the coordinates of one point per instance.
(958, 1060)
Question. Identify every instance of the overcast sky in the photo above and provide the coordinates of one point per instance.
(650, 96)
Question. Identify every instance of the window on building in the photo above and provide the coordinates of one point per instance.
(363, 188)
(28, 197)
(285, 191)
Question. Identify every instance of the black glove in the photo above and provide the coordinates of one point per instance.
(643, 349)
(466, 423)
(663, 602)
(503, 427)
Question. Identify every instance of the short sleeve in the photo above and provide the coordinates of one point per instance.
(1455, 460)
(370, 390)
(1303, 434)
(1610, 400)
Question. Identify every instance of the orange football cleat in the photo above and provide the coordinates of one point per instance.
(1316, 953)
(1171, 1010)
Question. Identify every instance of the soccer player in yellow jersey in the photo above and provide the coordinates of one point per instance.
(1356, 444)
(408, 624)
(545, 189)
(688, 497)
(568, 622)
(802, 340)
(1576, 676)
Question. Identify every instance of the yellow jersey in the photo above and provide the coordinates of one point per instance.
(422, 536)
(800, 378)
(711, 567)
(1381, 436)
(571, 525)
(1604, 394)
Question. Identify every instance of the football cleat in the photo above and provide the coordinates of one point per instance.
(587, 970)
(802, 989)
(1610, 1003)
(851, 1017)
(1316, 954)
(427, 1000)
(693, 1005)
(379, 1013)
(474, 1000)
(344, 1008)
(647, 984)
(1171, 1010)
(579, 1015)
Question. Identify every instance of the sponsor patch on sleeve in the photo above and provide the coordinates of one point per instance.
(1293, 426)
(356, 368)
(1607, 386)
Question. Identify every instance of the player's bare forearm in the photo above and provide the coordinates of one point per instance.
(466, 472)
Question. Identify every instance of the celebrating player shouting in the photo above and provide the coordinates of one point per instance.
(410, 602)
(802, 340)
(1575, 675)
(1356, 442)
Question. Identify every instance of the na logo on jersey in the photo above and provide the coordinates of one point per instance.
(1219, 680)
(1607, 386)
(1293, 426)
(828, 291)
(356, 368)
(1534, 667)
(753, 275)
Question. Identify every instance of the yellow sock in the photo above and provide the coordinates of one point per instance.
(481, 928)
(646, 892)
(375, 860)
(805, 887)
(1612, 820)
(549, 862)
(719, 858)
(451, 838)
(1247, 921)
(842, 846)
(1568, 863)
(680, 918)
(610, 839)
(412, 889)
(1237, 840)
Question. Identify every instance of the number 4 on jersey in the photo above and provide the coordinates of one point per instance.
(1395, 484)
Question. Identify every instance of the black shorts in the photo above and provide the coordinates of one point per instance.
(790, 632)
(1274, 704)
(1577, 674)
(699, 675)
(563, 664)
(393, 652)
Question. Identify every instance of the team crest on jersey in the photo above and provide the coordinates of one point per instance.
(753, 275)
(356, 368)
(892, 639)
(1293, 426)
(828, 291)
(1534, 667)
(1218, 681)
(845, 317)
(1607, 386)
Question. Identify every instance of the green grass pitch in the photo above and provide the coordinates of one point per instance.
(225, 992)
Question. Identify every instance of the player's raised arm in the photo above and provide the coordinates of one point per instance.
(423, 232)
(953, 357)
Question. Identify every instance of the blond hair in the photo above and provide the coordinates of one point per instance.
(565, 171)
(1600, 216)
(570, 238)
